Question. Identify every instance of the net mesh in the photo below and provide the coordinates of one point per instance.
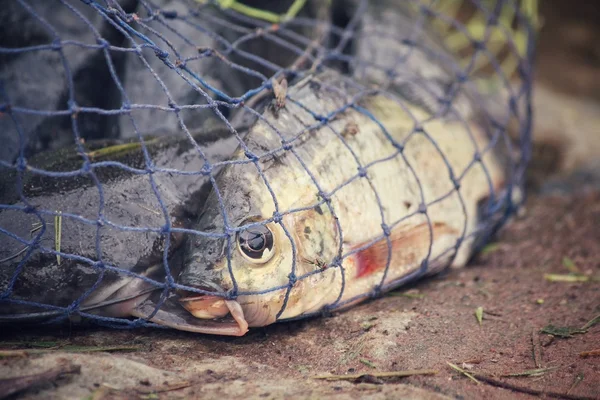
(118, 117)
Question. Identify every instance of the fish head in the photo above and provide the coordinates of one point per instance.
(263, 255)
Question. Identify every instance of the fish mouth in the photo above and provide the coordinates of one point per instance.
(193, 312)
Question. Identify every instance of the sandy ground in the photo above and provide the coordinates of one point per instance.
(436, 324)
(421, 327)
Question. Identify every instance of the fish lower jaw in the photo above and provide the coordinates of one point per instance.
(208, 307)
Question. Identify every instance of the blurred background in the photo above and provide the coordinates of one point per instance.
(567, 93)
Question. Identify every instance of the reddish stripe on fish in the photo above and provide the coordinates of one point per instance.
(408, 245)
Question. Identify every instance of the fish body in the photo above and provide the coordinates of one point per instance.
(353, 187)
(344, 193)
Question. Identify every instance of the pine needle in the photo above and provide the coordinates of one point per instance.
(462, 371)
(390, 374)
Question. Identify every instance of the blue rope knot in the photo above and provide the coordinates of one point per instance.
(251, 156)
(523, 70)
(478, 45)
(326, 311)
(398, 147)
(86, 167)
(324, 196)
(424, 265)
(362, 172)
(426, 11)
(103, 43)
(321, 118)
(462, 77)
(21, 164)
(174, 107)
(375, 292)
(277, 217)
(335, 263)
(231, 294)
(422, 208)
(137, 323)
(98, 265)
(458, 242)
(513, 105)
(492, 20)
(286, 146)
(161, 54)
(29, 210)
(206, 169)
(418, 128)
(455, 181)
(477, 157)
(292, 278)
(386, 230)
(56, 44)
(73, 308)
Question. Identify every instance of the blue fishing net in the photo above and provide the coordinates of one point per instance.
(116, 118)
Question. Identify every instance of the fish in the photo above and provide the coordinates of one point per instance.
(343, 193)
(54, 254)
(352, 186)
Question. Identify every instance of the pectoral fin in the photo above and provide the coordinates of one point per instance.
(407, 246)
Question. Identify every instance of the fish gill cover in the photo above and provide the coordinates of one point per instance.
(215, 165)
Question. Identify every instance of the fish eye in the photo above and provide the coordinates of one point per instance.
(256, 244)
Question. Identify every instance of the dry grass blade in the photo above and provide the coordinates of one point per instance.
(367, 363)
(462, 371)
(563, 332)
(591, 322)
(570, 265)
(479, 314)
(531, 372)
(57, 234)
(566, 278)
(576, 382)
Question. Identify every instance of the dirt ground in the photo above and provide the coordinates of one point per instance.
(425, 326)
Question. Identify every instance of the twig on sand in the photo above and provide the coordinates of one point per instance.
(10, 386)
(68, 349)
(590, 353)
(536, 349)
(389, 374)
(166, 388)
(495, 382)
